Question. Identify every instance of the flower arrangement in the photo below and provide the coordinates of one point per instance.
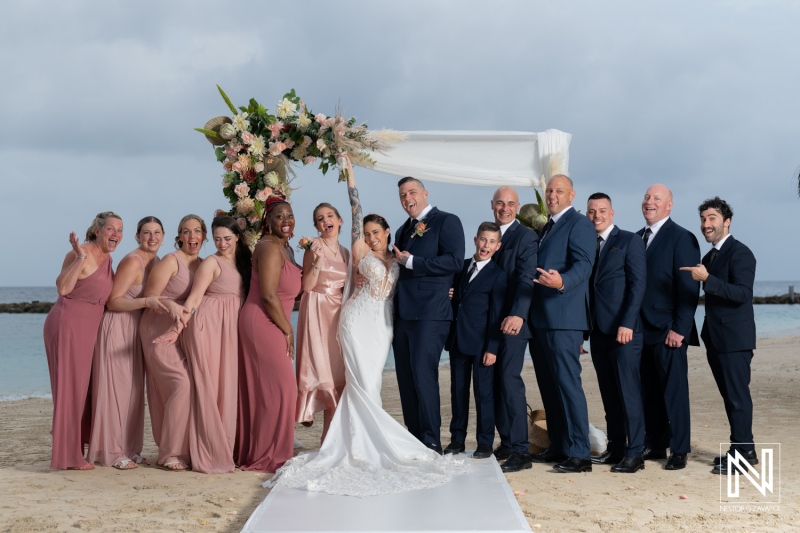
(256, 148)
(420, 229)
(304, 244)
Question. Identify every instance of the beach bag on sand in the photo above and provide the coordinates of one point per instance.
(539, 441)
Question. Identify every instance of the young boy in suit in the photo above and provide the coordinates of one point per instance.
(479, 292)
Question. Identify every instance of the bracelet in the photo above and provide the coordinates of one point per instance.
(191, 313)
(81, 256)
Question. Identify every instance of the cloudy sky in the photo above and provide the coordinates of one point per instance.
(99, 99)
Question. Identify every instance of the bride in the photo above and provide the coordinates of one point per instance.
(367, 452)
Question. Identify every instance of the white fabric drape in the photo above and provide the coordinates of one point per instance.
(493, 158)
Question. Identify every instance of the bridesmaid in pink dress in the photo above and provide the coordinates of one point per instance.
(210, 342)
(70, 332)
(320, 368)
(267, 388)
(118, 369)
(169, 388)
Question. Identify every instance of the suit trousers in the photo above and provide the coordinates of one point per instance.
(464, 368)
(418, 346)
(556, 360)
(665, 394)
(732, 373)
(510, 413)
(618, 376)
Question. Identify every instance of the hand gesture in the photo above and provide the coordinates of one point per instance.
(154, 303)
(549, 278)
(316, 248)
(79, 250)
(699, 272)
(401, 256)
(167, 338)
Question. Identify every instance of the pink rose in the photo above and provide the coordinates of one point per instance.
(230, 152)
(289, 143)
(309, 159)
(263, 194)
(227, 165)
(259, 166)
(306, 141)
(242, 223)
(248, 137)
(241, 190)
(321, 119)
(275, 129)
(275, 149)
(237, 166)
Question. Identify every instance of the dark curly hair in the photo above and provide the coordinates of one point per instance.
(720, 205)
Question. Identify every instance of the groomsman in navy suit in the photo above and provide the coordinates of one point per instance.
(517, 257)
(479, 293)
(559, 315)
(430, 248)
(616, 290)
(729, 330)
(668, 317)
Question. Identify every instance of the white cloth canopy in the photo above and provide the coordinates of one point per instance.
(493, 158)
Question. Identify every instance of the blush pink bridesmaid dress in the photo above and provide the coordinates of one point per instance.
(70, 333)
(211, 346)
(267, 388)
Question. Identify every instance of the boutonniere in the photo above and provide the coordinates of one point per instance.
(420, 229)
(304, 244)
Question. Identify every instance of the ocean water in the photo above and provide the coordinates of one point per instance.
(23, 365)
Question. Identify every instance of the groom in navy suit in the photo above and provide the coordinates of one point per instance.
(616, 291)
(668, 311)
(430, 248)
(729, 331)
(559, 315)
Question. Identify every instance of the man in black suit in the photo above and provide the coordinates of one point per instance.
(559, 315)
(668, 318)
(517, 257)
(479, 293)
(616, 290)
(430, 248)
(729, 330)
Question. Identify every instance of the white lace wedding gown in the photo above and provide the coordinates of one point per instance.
(367, 452)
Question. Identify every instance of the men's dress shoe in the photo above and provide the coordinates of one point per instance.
(608, 458)
(502, 453)
(676, 461)
(435, 447)
(574, 465)
(483, 451)
(724, 463)
(548, 456)
(629, 465)
(454, 448)
(751, 457)
(654, 453)
(517, 461)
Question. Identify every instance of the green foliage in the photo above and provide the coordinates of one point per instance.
(227, 100)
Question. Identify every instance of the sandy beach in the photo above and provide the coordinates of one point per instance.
(35, 498)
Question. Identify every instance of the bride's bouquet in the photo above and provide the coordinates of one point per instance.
(256, 149)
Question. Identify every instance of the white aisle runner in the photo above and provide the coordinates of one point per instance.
(481, 500)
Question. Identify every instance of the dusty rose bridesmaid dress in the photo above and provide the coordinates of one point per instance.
(169, 388)
(211, 346)
(118, 384)
(267, 388)
(70, 333)
(320, 367)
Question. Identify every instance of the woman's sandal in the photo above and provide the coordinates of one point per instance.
(125, 464)
(173, 466)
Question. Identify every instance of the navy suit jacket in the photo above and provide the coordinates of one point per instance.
(423, 293)
(619, 282)
(478, 311)
(517, 258)
(730, 323)
(569, 248)
(670, 300)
